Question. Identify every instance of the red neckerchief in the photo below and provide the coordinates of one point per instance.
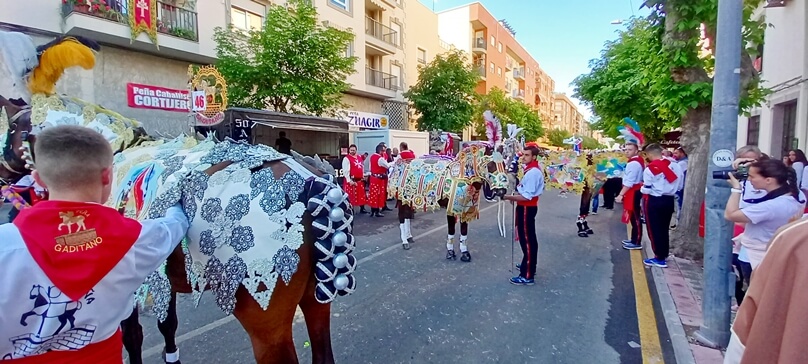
(531, 165)
(637, 159)
(663, 166)
(407, 154)
(76, 244)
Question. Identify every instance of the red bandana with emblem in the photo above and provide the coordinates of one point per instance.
(76, 244)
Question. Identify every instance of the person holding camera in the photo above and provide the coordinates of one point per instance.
(661, 180)
(781, 203)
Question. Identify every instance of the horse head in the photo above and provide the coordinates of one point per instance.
(483, 164)
(15, 135)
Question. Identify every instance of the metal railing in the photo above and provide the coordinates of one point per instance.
(171, 19)
(518, 93)
(380, 79)
(479, 42)
(519, 73)
(480, 68)
(380, 31)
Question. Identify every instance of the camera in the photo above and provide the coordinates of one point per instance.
(740, 174)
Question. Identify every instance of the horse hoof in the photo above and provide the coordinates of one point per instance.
(582, 234)
(450, 255)
(406, 246)
(410, 240)
(465, 257)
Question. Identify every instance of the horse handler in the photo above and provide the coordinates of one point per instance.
(70, 265)
(527, 206)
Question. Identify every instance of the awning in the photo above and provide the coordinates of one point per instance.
(290, 126)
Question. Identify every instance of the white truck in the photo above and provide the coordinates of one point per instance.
(367, 140)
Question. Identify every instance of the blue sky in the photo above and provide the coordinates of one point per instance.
(563, 35)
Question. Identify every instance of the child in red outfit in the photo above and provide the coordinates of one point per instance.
(70, 265)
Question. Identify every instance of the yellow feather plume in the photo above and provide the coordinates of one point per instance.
(55, 60)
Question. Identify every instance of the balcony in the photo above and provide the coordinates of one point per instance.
(519, 73)
(381, 38)
(381, 82)
(479, 46)
(480, 68)
(177, 29)
(509, 63)
(518, 94)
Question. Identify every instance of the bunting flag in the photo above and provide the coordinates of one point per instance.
(143, 19)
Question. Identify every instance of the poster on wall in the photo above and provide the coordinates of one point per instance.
(143, 19)
(141, 96)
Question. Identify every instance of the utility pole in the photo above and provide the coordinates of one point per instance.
(719, 279)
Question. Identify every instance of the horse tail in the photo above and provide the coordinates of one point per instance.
(332, 220)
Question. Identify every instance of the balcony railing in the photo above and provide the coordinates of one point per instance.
(518, 94)
(479, 42)
(171, 19)
(519, 73)
(380, 31)
(480, 68)
(381, 79)
(508, 63)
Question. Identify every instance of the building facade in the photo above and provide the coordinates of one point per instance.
(567, 117)
(781, 123)
(184, 36)
(496, 55)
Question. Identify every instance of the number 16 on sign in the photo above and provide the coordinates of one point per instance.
(198, 101)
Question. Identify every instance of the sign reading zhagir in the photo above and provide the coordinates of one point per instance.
(367, 120)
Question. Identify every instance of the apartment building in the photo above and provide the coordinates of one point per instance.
(781, 123)
(185, 36)
(567, 117)
(420, 44)
(496, 55)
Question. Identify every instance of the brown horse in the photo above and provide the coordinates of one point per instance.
(270, 330)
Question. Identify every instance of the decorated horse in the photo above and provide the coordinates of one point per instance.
(432, 182)
(269, 232)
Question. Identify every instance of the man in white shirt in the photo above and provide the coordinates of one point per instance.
(527, 206)
(661, 180)
(631, 196)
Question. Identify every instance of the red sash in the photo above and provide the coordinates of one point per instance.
(662, 166)
(407, 155)
(76, 244)
(628, 198)
(103, 352)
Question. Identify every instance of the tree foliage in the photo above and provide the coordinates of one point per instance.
(509, 111)
(659, 72)
(445, 93)
(293, 64)
(556, 137)
(591, 143)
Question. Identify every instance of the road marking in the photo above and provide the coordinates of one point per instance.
(649, 333)
(158, 349)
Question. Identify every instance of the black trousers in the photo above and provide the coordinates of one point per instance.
(526, 229)
(611, 188)
(658, 213)
(634, 219)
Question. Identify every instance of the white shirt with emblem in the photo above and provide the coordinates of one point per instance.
(658, 185)
(632, 174)
(32, 309)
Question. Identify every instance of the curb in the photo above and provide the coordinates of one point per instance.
(681, 345)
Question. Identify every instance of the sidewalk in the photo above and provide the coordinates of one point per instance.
(679, 288)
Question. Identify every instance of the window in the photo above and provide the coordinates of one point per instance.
(421, 55)
(753, 130)
(499, 47)
(493, 40)
(349, 50)
(499, 71)
(245, 20)
(492, 66)
(341, 4)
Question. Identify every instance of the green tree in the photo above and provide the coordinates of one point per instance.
(591, 143)
(660, 73)
(556, 137)
(509, 111)
(445, 92)
(293, 64)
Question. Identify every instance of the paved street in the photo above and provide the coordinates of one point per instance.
(416, 307)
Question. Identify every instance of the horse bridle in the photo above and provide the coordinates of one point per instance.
(4, 163)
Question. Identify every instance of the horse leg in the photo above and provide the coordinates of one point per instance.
(169, 330)
(133, 337)
(318, 324)
(465, 256)
(403, 225)
(451, 221)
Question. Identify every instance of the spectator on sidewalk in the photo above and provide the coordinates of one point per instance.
(661, 180)
(771, 324)
(798, 163)
(782, 203)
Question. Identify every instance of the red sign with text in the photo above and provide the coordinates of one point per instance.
(158, 98)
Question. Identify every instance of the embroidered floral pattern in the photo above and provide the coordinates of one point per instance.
(286, 261)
